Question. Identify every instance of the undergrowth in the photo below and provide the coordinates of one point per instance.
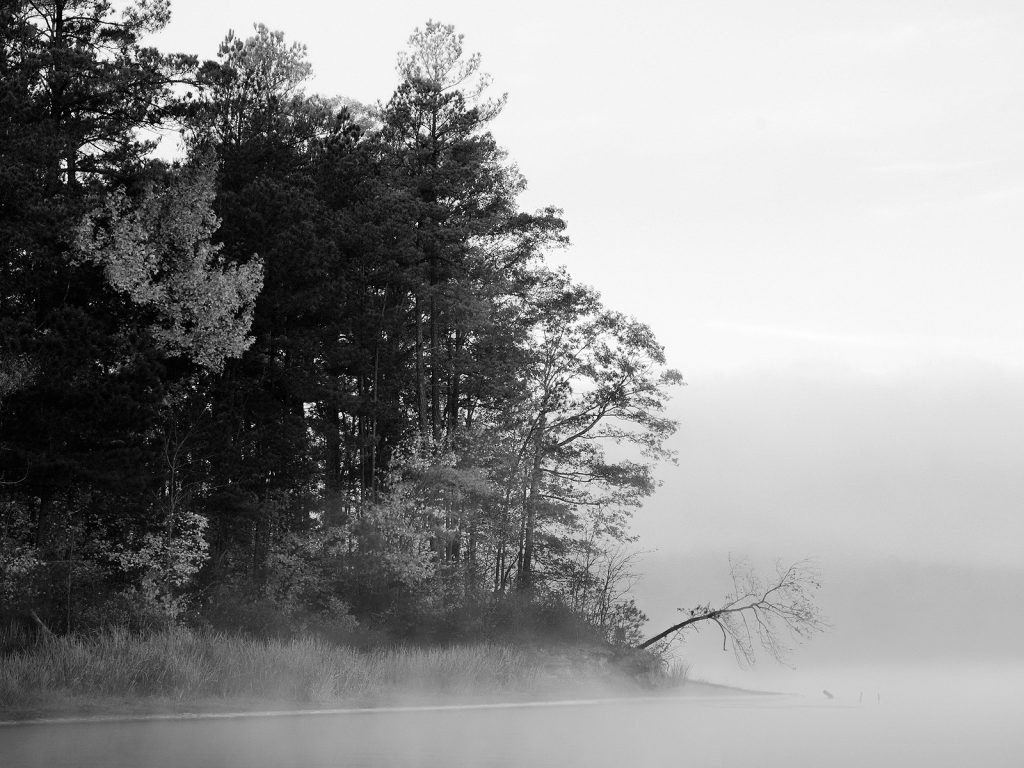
(183, 665)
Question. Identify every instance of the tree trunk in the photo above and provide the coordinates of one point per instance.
(435, 370)
(499, 566)
(710, 616)
(421, 382)
(44, 521)
(471, 568)
(333, 460)
(532, 502)
(332, 442)
(454, 383)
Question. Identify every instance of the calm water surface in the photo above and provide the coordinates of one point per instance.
(743, 731)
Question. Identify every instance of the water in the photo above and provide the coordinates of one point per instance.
(791, 731)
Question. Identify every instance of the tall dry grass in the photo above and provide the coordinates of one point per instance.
(183, 665)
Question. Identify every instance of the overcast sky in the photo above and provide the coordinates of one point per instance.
(817, 206)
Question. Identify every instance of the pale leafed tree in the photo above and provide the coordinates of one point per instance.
(16, 372)
(161, 255)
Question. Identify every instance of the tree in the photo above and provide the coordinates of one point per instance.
(271, 141)
(462, 193)
(115, 305)
(252, 90)
(80, 98)
(318, 358)
(594, 579)
(90, 84)
(591, 377)
(160, 255)
(15, 373)
(760, 611)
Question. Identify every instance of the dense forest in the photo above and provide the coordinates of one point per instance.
(312, 374)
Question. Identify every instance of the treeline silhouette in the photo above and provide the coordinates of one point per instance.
(311, 375)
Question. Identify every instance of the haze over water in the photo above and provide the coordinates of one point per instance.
(972, 721)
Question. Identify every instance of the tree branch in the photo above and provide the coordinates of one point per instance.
(765, 609)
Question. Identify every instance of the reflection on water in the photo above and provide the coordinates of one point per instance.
(958, 728)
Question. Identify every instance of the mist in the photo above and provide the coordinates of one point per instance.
(955, 730)
(903, 486)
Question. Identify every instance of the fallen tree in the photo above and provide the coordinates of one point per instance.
(760, 611)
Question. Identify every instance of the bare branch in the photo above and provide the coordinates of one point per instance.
(761, 610)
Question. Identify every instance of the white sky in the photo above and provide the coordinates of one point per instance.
(817, 206)
(759, 181)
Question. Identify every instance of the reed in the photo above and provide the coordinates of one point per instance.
(182, 665)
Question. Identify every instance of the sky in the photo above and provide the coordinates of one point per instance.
(817, 207)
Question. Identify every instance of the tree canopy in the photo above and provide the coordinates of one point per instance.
(315, 367)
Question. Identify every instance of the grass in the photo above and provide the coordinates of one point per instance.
(178, 669)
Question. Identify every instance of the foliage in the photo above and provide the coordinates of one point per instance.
(161, 563)
(313, 373)
(161, 256)
(435, 59)
(211, 668)
(15, 373)
(19, 568)
(257, 82)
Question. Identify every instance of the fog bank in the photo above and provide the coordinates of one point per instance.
(905, 488)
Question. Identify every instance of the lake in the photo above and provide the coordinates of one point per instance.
(983, 727)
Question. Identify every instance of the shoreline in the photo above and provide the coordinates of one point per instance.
(180, 673)
(692, 690)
